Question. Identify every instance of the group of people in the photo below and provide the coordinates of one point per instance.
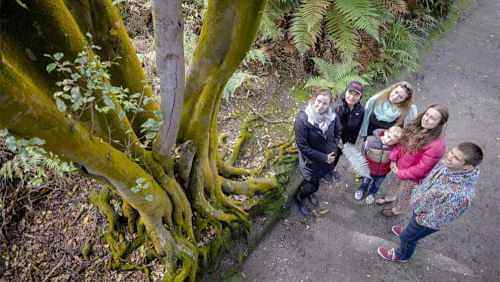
(434, 187)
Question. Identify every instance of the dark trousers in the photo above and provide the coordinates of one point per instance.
(372, 185)
(308, 188)
(409, 237)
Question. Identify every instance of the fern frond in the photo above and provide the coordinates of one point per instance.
(395, 7)
(256, 55)
(320, 83)
(306, 24)
(235, 82)
(342, 33)
(268, 28)
(362, 14)
(336, 76)
(356, 159)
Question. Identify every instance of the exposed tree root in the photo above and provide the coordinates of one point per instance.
(250, 186)
(242, 138)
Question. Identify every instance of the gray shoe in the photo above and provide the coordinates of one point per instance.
(370, 199)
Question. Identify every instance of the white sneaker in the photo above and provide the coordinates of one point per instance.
(358, 195)
(370, 199)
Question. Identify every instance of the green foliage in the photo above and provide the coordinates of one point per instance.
(237, 80)
(142, 184)
(335, 76)
(300, 95)
(84, 77)
(31, 163)
(343, 20)
(436, 8)
(275, 10)
(150, 129)
(306, 24)
(86, 87)
(399, 51)
(256, 55)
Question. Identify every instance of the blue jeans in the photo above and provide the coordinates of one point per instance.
(409, 237)
(373, 183)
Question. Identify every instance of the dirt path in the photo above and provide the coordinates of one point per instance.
(463, 72)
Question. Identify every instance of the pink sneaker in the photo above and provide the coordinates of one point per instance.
(389, 254)
(397, 229)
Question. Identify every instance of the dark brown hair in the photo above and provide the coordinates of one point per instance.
(415, 137)
(473, 154)
(321, 91)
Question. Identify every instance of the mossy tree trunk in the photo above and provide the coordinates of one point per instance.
(176, 214)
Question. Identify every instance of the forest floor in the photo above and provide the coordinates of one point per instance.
(461, 71)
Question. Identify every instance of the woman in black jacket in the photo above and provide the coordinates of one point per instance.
(317, 133)
(350, 113)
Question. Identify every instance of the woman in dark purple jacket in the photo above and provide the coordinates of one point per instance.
(317, 133)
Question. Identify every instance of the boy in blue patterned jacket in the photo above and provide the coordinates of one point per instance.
(445, 194)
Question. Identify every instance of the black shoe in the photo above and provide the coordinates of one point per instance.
(313, 200)
(305, 211)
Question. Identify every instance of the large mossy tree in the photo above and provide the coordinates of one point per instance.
(178, 205)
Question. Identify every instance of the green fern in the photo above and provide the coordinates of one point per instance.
(335, 76)
(256, 55)
(31, 163)
(343, 20)
(399, 51)
(306, 24)
(235, 82)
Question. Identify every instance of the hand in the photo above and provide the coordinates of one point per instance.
(331, 158)
(394, 168)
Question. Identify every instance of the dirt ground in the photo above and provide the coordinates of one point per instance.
(461, 71)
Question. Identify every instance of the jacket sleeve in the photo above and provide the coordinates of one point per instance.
(337, 133)
(430, 157)
(303, 145)
(366, 117)
(395, 153)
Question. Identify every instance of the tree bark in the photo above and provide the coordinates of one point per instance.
(169, 30)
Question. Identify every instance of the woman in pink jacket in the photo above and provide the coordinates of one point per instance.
(421, 148)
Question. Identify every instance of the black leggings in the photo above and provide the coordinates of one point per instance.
(308, 188)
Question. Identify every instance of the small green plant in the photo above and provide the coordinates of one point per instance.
(31, 163)
(142, 184)
(237, 80)
(150, 129)
(86, 87)
(256, 55)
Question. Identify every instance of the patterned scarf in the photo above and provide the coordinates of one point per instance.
(386, 111)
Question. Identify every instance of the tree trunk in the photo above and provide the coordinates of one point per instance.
(108, 148)
(168, 25)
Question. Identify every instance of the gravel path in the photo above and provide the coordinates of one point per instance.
(462, 71)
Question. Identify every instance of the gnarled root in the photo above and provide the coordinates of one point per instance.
(250, 186)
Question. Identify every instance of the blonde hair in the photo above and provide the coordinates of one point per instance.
(396, 131)
(404, 106)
